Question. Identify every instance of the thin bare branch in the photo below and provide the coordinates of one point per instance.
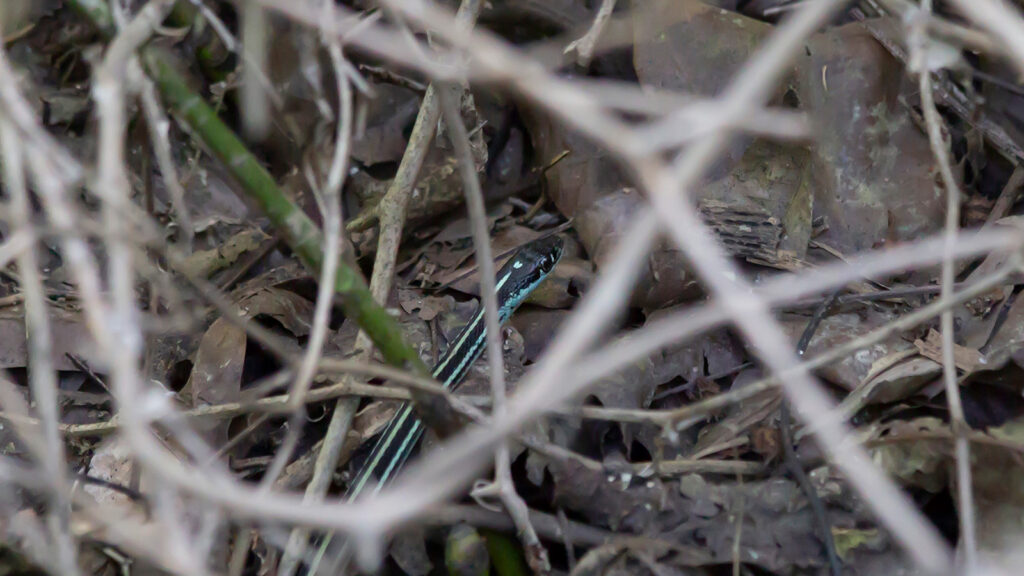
(920, 45)
(503, 486)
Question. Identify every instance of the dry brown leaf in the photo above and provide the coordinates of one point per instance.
(217, 374)
(70, 336)
(966, 359)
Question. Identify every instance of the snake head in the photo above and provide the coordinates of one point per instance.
(525, 271)
(548, 252)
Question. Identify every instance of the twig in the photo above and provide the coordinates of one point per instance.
(42, 374)
(391, 214)
(503, 486)
(725, 282)
(332, 252)
(465, 454)
(1001, 21)
(547, 525)
(232, 45)
(793, 461)
(584, 47)
(1007, 197)
(112, 186)
(52, 180)
(697, 466)
(341, 417)
(158, 125)
(295, 227)
(940, 150)
(969, 37)
(269, 404)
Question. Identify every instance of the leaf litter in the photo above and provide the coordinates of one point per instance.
(865, 179)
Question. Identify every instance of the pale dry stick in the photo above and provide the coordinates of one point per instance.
(26, 430)
(547, 524)
(52, 181)
(969, 37)
(1007, 197)
(16, 242)
(1001, 21)
(159, 126)
(919, 45)
(255, 116)
(272, 510)
(502, 486)
(279, 403)
(344, 409)
(700, 119)
(667, 331)
(601, 362)
(915, 534)
(21, 114)
(231, 44)
(24, 426)
(780, 291)
(53, 171)
(331, 201)
(280, 508)
(776, 123)
(100, 522)
(682, 466)
(392, 210)
(584, 47)
(42, 373)
(113, 187)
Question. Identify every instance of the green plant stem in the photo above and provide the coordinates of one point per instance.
(296, 229)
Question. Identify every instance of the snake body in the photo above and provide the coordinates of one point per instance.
(518, 277)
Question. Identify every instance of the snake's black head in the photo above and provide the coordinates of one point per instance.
(548, 251)
(527, 269)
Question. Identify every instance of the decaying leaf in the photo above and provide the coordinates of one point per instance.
(892, 384)
(217, 373)
(966, 359)
(872, 172)
(913, 461)
(286, 307)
